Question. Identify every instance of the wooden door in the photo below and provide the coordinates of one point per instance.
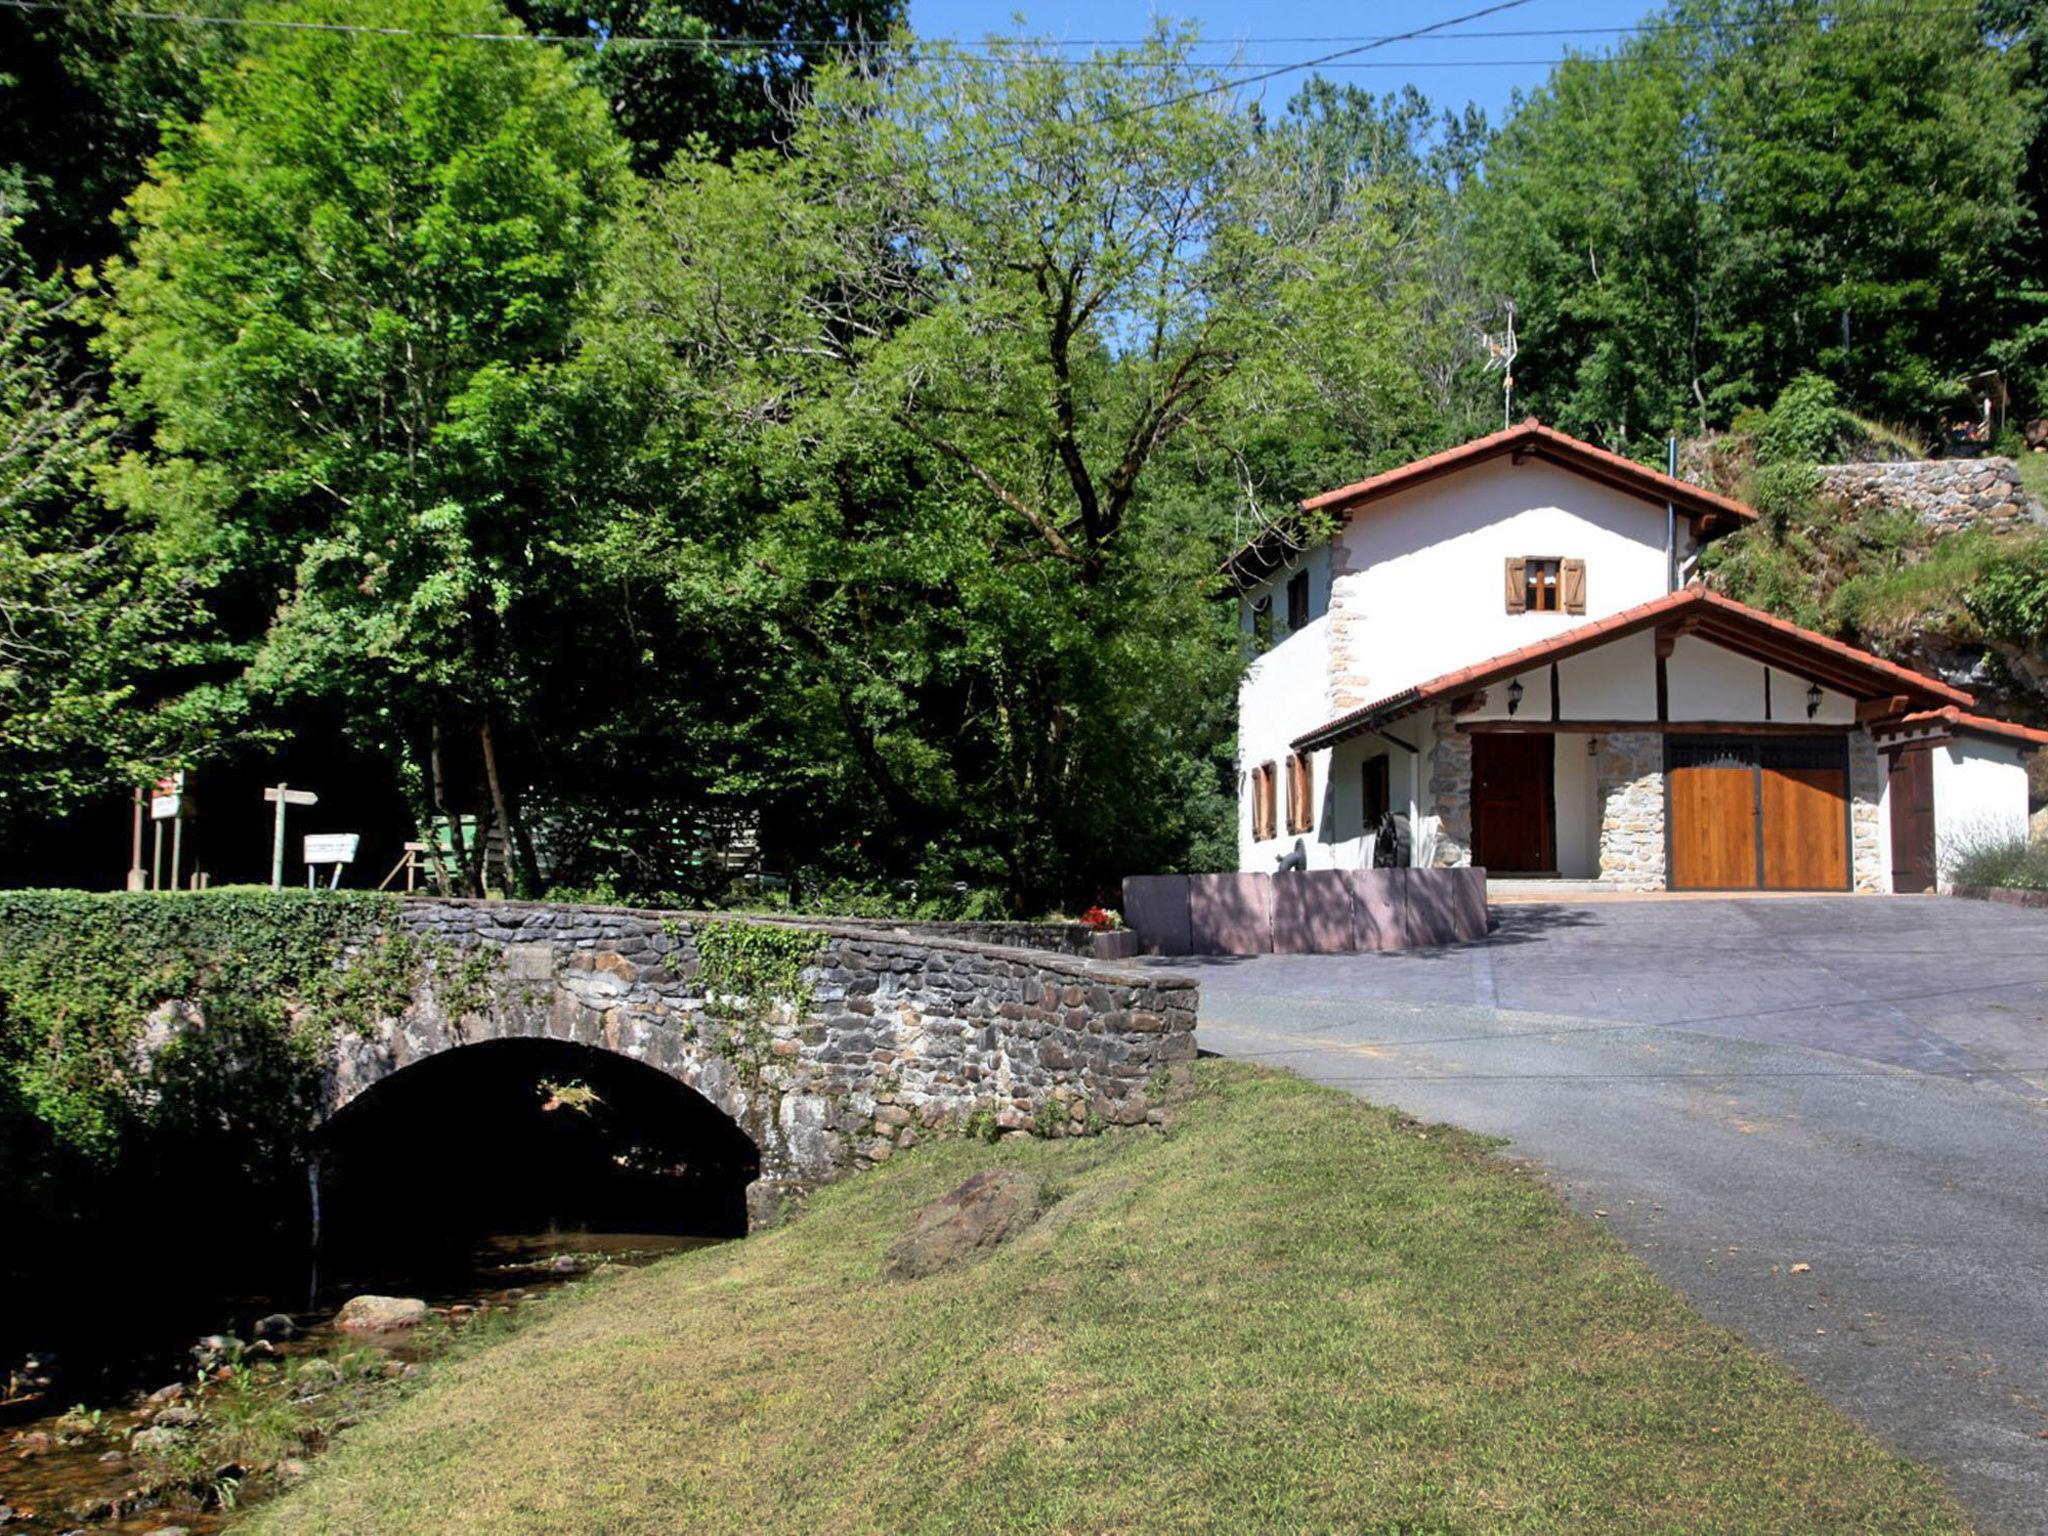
(1513, 784)
(1912, 798)
(1805, 829)
(1712, 814)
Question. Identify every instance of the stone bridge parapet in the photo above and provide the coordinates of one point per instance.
(899, 1035)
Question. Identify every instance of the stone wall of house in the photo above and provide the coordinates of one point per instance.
(900, 1036)
(1866, 797)
(1946, 495)
(1450, 797)
(1629, 781)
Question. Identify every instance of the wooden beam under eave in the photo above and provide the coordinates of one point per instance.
(1661, 727)
(1843, 677)
(1870, 711)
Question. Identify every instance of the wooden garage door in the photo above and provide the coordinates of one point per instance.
(1761, 811)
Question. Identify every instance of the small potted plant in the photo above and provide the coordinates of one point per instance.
(1108, 939)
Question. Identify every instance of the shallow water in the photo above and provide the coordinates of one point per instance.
(54, 1489)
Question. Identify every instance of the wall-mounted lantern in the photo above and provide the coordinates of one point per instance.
(1813, 698)
(1514, 695)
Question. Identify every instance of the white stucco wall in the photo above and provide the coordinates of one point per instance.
(1578, 807)
(1980, 795)
(1419, 576)
(1707, 683)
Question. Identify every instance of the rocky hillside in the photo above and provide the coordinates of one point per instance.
(1940, 564)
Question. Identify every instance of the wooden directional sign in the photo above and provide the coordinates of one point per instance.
(332, 847)
(281, 796)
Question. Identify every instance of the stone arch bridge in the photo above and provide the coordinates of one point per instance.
(906, 1031)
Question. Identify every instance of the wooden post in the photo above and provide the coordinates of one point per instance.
(136, 877)
(284, 796)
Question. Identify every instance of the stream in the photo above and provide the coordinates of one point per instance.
(68, 1461)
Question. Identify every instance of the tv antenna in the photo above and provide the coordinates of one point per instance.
(1501, 351)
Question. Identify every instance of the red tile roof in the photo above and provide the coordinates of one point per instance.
(1528, 438)
(1981, 725)
(1736, 625)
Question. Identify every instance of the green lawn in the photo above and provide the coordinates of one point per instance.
(1288, 1312)
(2034, 474)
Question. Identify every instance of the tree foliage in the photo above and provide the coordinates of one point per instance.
(349, 286)
(1754, 189)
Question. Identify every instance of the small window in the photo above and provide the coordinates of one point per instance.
(1297, 602)
(1301, 816)
(1262, 802)
(1262, 625)
(1376, 803)
(1543, 586)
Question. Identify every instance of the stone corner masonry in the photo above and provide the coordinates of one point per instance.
(903, 1035)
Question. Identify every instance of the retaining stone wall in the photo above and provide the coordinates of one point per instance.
(1947, 495)
(1053, 938)
(905, 1035)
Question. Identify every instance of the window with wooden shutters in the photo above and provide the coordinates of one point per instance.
(1536, 584)
(1376, 802)
(1297, 602)
(1301, 816)
(1573, 581)
(1262, 802)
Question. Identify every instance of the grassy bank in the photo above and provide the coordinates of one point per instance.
(1288, 1312)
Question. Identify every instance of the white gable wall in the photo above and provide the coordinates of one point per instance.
(1419, 576)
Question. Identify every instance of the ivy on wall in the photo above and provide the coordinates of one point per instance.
(99, 996)
(747, 970)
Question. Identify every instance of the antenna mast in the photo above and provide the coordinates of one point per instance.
(1501, 351)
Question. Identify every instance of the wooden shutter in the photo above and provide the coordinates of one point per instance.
(1518, 586)
(1299, 817)
(1262, 802)
(1574, 586)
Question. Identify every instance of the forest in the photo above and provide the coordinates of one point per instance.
(704, 453)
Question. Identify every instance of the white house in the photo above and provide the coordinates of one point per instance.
(1504, 645)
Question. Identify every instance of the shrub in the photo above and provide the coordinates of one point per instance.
(2013, 862)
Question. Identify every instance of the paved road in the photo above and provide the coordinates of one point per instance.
(1855, 1084)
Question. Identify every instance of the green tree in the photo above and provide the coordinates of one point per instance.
(94, 643)
(85, 88)
(920, 380)
(711, 72)
(351, 286)
(1751, 190)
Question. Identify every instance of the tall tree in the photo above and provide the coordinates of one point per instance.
(85, 89)
(1751, 190)
(721, 74)
(935, 359)
(351, 284)
(94, 643)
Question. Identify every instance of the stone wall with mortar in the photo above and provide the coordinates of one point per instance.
(1629, 784)
(1450, 797)
(902, 1035)
(1946, 495)
(1866, 799)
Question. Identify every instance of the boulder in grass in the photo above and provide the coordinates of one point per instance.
(380, 1314)
(987, 1210)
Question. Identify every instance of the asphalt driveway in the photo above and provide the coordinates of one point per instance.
(1855, 1085)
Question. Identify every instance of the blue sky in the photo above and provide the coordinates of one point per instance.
(1460, 65)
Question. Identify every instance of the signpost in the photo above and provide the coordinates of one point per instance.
(166, 803)
(283, 797)
(336, 848)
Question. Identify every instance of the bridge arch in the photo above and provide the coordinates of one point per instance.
(526, 1133)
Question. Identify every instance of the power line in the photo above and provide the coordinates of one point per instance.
(960, 49)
